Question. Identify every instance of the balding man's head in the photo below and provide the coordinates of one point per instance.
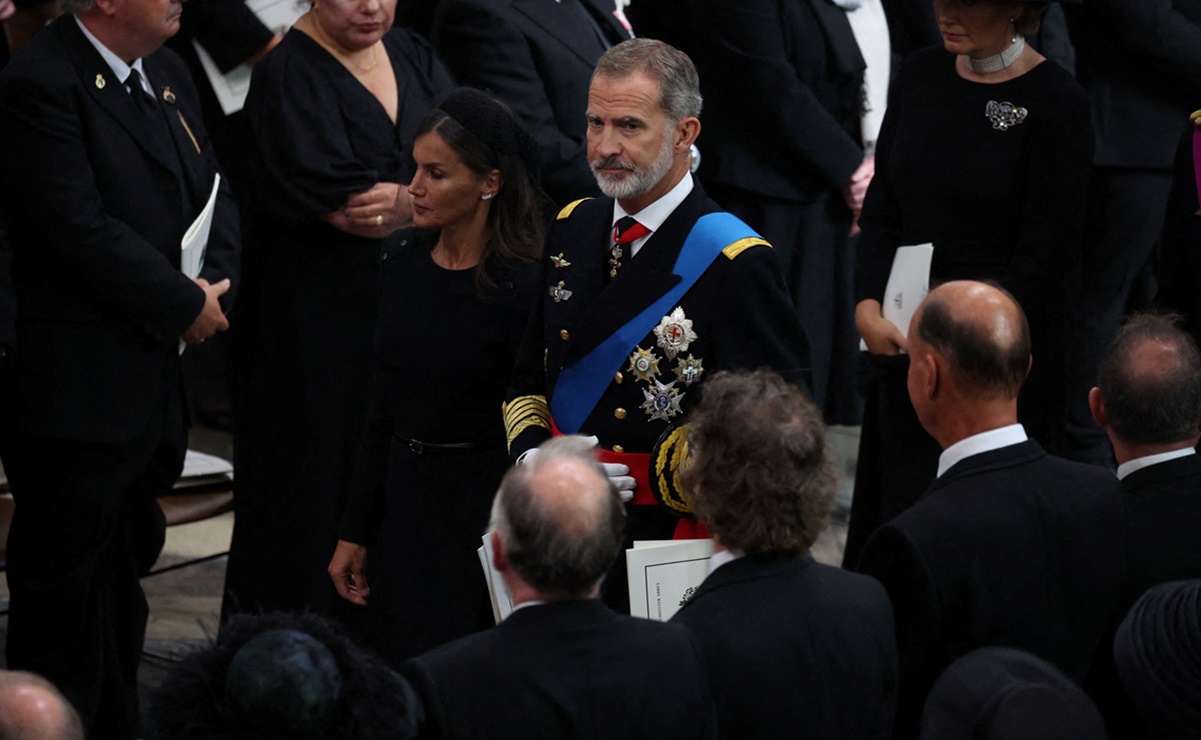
(559, 519)
(981, 333)
(31, 708)
(1150, 382)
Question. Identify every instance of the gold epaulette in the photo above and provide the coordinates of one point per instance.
(567, 209)
(669, 459)
(742, 245)
(522, 413)
(1195, 117)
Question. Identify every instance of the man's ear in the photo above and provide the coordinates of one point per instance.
(500, 558)
(108, 7)
(935, 377)
(685, 134)
(1097, 406)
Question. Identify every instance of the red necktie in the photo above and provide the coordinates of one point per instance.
(625, 231)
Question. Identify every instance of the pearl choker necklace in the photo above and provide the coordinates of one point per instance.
(998, 62)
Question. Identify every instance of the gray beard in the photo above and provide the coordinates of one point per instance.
(639, 181)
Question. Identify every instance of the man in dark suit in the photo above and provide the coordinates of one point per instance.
(1149, 403)
(790, 646)
(782, 150)
(537, 56)
(1009, 546)
(563, 664)
(1140, 63)
(630, 323)
(105, 164)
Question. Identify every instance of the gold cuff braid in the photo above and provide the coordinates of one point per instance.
(522, 413)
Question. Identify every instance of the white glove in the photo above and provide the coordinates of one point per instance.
(619, 476)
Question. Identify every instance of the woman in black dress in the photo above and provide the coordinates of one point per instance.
(453, 307)
(985, 152)
(333, 111)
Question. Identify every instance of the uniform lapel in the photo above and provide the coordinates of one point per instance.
(641, 281)
(183, 131)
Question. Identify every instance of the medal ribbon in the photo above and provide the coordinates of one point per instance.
(581, 384)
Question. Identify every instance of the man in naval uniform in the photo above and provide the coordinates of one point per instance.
(647, 291)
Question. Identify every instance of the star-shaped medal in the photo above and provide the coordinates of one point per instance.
(558, 261)
(674, 333)
(689, 370)
(644, 364)
(663, 402)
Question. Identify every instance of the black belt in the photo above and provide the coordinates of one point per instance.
(417, 447)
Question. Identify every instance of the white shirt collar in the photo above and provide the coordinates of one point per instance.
(1139, 463)
(524, 604)
(653, 216)
(993, 439)
(114, 62)
(721, 558)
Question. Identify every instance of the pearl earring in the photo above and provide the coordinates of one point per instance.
(486, 196)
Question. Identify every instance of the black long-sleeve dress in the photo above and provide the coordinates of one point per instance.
(1000, 200)
(433, 448)
(305, 324)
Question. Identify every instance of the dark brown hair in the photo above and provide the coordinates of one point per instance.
(759, 473)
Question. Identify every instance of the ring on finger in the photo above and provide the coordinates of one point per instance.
(379, 220)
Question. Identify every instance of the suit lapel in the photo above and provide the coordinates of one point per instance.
(565, 26)
(641, 281)
(109, 92)
(843, 48)
(182, 130)
(607, 13)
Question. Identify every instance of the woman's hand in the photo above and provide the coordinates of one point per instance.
(879, 334)
(374, 213)
(347, 571)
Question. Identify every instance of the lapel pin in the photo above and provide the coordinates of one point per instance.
(168, 96)
(100, 83)
(558, 293)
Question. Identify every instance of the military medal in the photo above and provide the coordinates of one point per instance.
(558, 261)
(1004, 116)
(663, 401)
(689, 369)
(558, 293)
(100, 82)
(644, 364)
(675, 333)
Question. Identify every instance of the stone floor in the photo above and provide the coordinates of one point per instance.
(184, 592)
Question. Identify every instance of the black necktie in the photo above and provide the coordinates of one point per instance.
(142, 99)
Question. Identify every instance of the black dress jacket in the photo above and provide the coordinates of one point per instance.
(791, 645)
(99, 197)
(566, 670)
(1009, 547)
(1163, 519)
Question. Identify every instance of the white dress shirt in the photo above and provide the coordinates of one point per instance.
(114, 62)
(993, 439)
(653, 216)
(1147, 461)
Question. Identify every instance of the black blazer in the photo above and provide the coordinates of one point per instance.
(739, 308)
(793, 646)
(1140, 63)
(1163, 519)
(782, 81)
(1009, 547)
(99, 200)
(566, 670)
(537, 56)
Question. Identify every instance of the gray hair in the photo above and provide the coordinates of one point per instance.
(679, 86)
(561, 547)
(76, 7)
(1158, 400)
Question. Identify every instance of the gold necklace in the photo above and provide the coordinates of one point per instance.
(371, 64)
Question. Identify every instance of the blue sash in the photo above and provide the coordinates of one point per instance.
(581, 384)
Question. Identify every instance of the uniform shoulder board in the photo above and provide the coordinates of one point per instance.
(567, 209)
(740, 246)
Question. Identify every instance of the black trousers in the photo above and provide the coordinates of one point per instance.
(86, 527)
(1123, 225)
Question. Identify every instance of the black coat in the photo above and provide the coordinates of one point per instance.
(538, 57)
(792, 645)
(782, 90)
(1140, 63)
(1009, 547)
(1163, 519)
(566, 670)
(98, 206)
